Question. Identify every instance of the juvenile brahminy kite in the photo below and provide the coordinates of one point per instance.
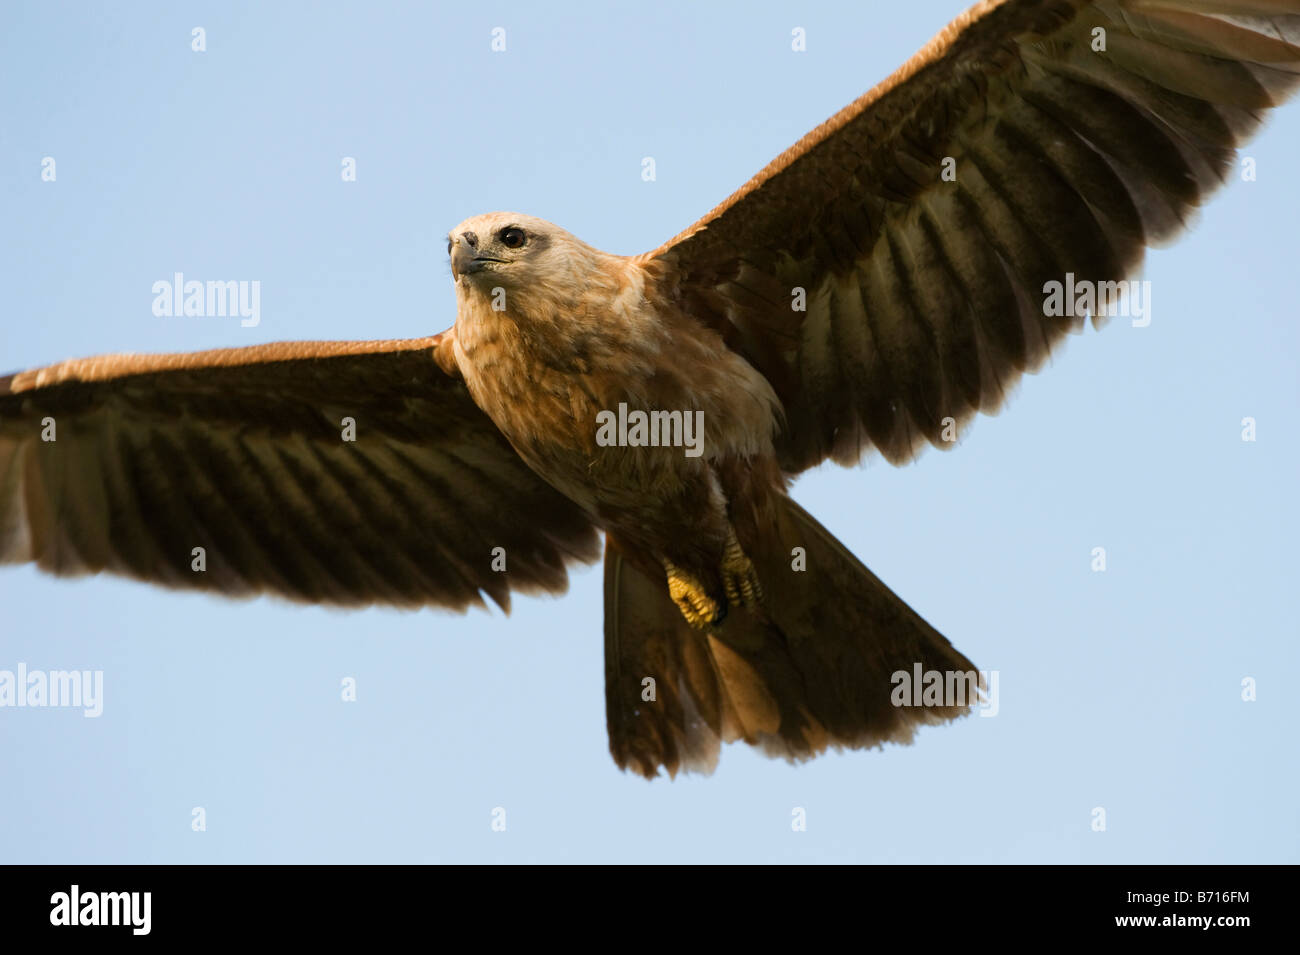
(879, 282)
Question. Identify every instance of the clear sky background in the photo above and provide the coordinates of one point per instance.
(1119, 690)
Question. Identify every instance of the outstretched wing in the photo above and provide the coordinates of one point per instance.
(343, 473)
(1078, 133)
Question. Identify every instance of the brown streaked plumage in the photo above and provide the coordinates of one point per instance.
(924, 301)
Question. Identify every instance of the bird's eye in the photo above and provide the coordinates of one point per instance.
(512, 238)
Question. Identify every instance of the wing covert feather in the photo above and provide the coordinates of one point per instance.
(242, 452)
(925, 293)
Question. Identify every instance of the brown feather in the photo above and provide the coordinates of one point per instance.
(814, 670)
(240, 451)
(1068, 159)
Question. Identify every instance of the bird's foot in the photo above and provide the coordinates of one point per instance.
(700, 610)
(739, 578)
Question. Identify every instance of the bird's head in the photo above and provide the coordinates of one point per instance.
(532, 270)
(505, 249)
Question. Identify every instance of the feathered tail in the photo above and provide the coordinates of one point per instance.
(819, 666)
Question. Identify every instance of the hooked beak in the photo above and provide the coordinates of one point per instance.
(465, 261)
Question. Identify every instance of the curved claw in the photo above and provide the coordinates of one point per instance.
(739, 578)
(700, 610)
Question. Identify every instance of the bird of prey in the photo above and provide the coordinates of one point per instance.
(874, 287)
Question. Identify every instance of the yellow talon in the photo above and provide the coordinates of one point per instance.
(739, 583)
(700, 610)
(739, 578)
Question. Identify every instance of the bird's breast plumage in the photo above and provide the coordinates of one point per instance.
(553, 373)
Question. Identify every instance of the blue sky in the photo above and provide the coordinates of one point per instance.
(1119, 689)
